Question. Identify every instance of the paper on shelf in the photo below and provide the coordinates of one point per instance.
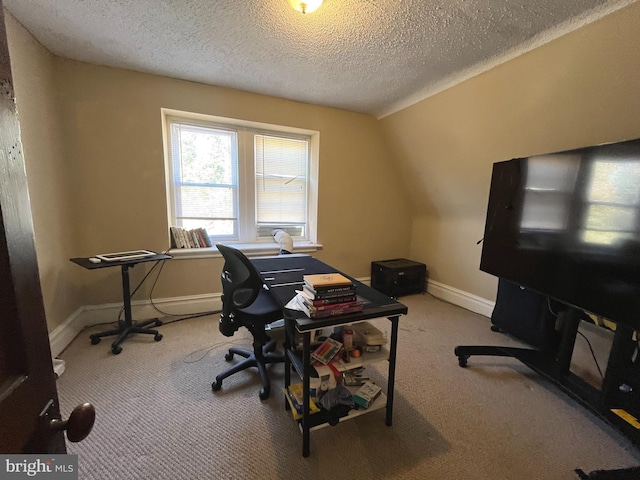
(296, 303)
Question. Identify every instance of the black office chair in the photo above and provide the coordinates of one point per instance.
(246, 303)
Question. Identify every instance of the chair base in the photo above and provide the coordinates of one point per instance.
(251, 360)
(124, 330)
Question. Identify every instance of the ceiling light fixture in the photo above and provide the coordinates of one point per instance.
(305, 6)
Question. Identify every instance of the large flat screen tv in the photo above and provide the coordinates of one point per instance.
(567, 225)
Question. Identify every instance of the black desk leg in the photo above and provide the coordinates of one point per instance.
(306, 372)
(287, 362)
(128, 326)
(392, 368)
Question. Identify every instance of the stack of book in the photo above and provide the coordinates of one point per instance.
(195, 238)
(329, 294)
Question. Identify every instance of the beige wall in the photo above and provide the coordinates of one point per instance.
(579, 90)
(33, 71)
(113, 124)
(112, 169)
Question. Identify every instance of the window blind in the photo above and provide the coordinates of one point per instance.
(281, 181)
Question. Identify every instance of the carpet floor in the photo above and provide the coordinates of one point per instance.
(157, 417)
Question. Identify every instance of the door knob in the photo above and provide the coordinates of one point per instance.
(79, 424)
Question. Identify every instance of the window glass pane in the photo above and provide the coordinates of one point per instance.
(264, 230)
(207, 202)
(206, 155)
(205, 175)
(218, 228)
(281, 181)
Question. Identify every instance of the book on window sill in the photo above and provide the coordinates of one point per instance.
(180, 237)
(195, 238)
(175, 238)
(205, 237)
(183, 238)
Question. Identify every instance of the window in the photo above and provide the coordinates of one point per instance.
(240, 180)
(281, 184)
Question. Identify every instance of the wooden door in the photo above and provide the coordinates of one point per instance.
(28, 396)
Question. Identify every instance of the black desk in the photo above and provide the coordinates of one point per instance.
(283, 275)
(128, 326)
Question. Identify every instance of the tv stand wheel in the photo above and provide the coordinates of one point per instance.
(495, 328)
(215, 386)
(116, 349)
(95, 340)
(228, 356)
(157, 337)
(462, 360)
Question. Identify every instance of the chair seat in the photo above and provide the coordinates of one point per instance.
(264, 306)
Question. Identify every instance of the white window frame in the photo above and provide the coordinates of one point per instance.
(246, 180)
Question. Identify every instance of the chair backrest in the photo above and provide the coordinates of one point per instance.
(241, 283)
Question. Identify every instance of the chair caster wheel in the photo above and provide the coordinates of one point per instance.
(116, 349)
(215, 386)
(264, 393)
(462, 360)
(228, 356)
(95, 340)
(157, 337)
(159, 323)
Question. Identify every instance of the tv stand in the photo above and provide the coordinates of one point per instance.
(554, 365)
(127, 326)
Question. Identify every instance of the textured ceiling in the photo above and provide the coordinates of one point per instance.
(370, 56)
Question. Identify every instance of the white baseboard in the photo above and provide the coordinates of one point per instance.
(461, 298)
(457, 297)
(91, 315)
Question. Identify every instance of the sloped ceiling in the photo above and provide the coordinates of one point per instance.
(369, 56)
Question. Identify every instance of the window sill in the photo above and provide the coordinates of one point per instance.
(249, 249)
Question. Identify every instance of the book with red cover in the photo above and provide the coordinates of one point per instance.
(356, 307)
(334, 306)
